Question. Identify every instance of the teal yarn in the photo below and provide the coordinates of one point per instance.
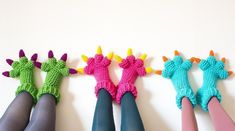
(56, 70)
(177, 71)
(213, 70)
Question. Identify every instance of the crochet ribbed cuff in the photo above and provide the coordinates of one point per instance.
(187, 92)
(108, 85)
(28, 87)
(49, 90)
(204, 95)
(123, 88)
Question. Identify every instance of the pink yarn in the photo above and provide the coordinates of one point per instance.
(132, 68)
(98, 66)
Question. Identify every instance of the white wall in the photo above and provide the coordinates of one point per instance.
(156, 27)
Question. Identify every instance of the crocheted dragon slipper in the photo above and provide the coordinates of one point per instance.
(132, 68)
(56, 70)
(213, 70)
(98, 66)
(24, 70)
(177, 71)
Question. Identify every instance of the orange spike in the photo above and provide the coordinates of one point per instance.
(230, 73)
(212, 53)
(197, 60)
(164, 58)
(192, 59)
(176, 53)
(223, 59)
(159, 72)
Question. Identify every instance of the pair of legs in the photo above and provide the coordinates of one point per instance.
(103, 117)
(17, 115)
(220, 119)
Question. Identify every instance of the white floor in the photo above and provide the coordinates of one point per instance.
(156, 27)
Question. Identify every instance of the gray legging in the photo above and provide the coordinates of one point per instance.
(16, 117)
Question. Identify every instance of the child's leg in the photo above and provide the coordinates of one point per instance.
(189, 122)
(220, 119)
(103, 117)
(17, 114)
(131, 120)
(44, 115)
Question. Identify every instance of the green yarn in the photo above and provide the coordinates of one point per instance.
(177, 70)
(56, 70)
(213, 70)
(24, 69)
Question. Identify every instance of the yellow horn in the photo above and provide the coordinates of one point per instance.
(143, 57)
(84, 58)
(118, 58)
(129, 52)
(99, 50)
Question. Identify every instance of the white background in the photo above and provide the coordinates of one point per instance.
(156, 27)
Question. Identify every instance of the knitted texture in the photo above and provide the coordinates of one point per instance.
(23, 69)
(212, 71)
(56, 70)
(176, 70)
(98, 67)
(132, 68)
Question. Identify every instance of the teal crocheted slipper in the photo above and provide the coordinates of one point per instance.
(213, 70)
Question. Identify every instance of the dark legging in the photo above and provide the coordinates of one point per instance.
(103, 117)
(17, 115)
(131, 120)
(44, 115)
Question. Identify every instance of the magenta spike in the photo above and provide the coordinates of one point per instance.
(37, 64)
(64, 57)
(21, 53)
(34, 57)
(6, 73)
(9, 61)
(72, 71)
(50, 54)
